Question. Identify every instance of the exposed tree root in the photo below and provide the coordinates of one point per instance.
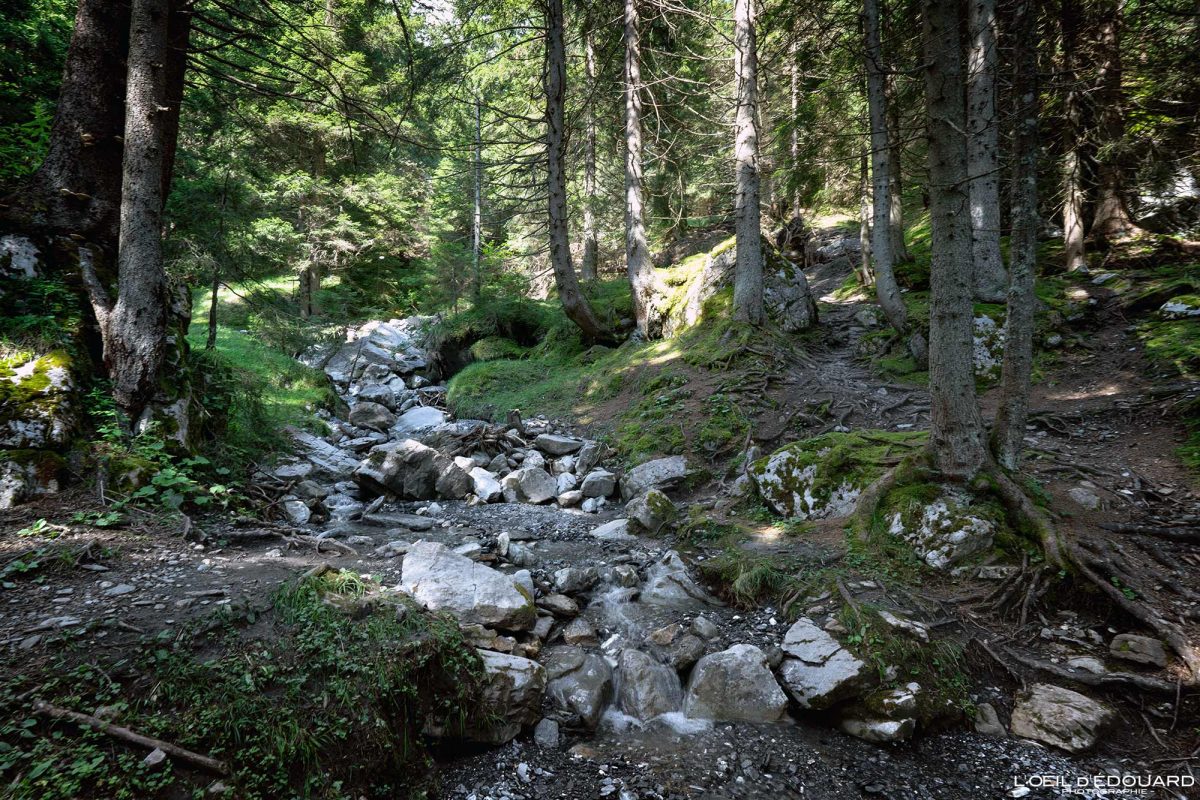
(1106, 680)
(1109, 572)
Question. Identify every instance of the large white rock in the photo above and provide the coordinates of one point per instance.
(529, 485)
(413, 471)
(487, 488)
(661, 473)
(818, 672)
(419, 418)
(598, 483)
(1059, 717)
(441, 580)
(791, 483)
(946, 532)
(617, 530)
(735, 685)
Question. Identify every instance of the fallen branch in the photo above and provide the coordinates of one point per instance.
(130, 737)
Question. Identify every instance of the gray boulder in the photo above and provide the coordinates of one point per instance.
(617, 530)
(661, 473)
(587, 458)
(419, 418)
(487, 488)
(366, 414)
(647, 687)
(1059, 717)
(511, 699)
(652, 510)
(378, 393)
(441, 580)
(580, 683)
(529, 485)
(1139, 649)
(735, 685)
(668, 583)
(557, 445)
(410, 470)
(598, 483)
(818, 672)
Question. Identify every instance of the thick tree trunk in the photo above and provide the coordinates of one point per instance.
(1112, 220)
(77, 188)
(864, 220)
(477, 217)
(134, 328)
(748, 276)
(895, 174)
(886, 289)
(983, 152)
(1008, 433)
(591, 244)
(574, 302)
(643, 284)
(956, 440)
(1073, 194)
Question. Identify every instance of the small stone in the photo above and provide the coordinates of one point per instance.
(120, 589)
(1138, 649)
(154, 758)
(546, 735)
(705, 628)
(987, 721)
(559, 604)
(1084, 497)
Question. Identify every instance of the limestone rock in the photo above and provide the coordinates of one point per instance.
(410, 470)
(598, 483)
(945, 532)
(511, 699)
(557, 445)
(668, 583)
(661, 473)
(487, 488)
(442, 580)
(418, 419)
(735, 685)
(1139, 649)
(1059, 717)
(366, 414)
(617, 530)
(818, 672)
(647, 687)
(652, 510)
(529, 485)
(580, 683)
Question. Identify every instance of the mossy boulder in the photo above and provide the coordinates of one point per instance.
(988, 352)
(697, 278)
(27, 473)
(37, 400)
(945, 525)
(823, 476)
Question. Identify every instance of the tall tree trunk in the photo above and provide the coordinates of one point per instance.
(956, 440)
(77, 188)
(134, 328)
(886, 289)
(864, 220)
(1073, 194)
(575, 304)
(642, 280)
(591, 244)
(794, 98)
(895, 173)
(211, 343)
(1008, 433)
(748, 276)
(477, 218)
(1112, 220)
(983, 152)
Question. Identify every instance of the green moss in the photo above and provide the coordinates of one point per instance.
(494, 348)
(818, 468)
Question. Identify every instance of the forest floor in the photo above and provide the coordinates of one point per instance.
(1102, 447)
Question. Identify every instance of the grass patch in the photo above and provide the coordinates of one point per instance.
(324, 696)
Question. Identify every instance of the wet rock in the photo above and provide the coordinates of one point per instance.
(888, 715)
(598, 483)
(529, 485)
(652, 510)
(682, 653)
(818, 672)
(1139, 649)
(557, 445)
(647, 688)
(574, 580)
(295, 471)
(441, 580)
(580, 633)
(487, 488)
(661, 473)
(735, 685)
(410, 470)
(1059, 717)
(580, 683)
(366, 414)
(668, 583)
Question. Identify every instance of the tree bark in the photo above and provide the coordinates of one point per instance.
(895, 173)
(864, 221)
(591, 243)
(794, 100)
(575, 304)
(1073, 194)
(748, 276)
(983, 152)
(887, 291)
(134, 328)
(1008, 434)
(477, 217)
(642, 281)
(956, 442)
(211, 343)
(77, 188)
(1112, 220)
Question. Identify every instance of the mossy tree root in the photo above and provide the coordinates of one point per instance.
(911, 469)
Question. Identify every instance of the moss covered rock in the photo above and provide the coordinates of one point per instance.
(823, 476)
(37, 400)
(27, 473)
(944, 525)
